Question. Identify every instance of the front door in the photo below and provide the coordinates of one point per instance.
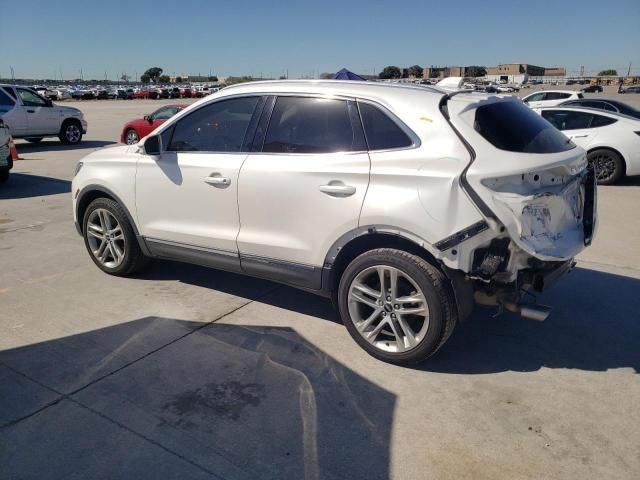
(12, 113)
(574, 124)
(303, 190)
(41, 116)
(186, 198)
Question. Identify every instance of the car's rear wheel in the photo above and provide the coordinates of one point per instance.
(110, 239)
(70, 132)
(34, 139)
(131, 137)
(396, 306)
(608, 165)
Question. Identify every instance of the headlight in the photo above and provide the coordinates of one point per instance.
(78, 167)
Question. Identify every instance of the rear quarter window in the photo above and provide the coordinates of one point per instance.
(514, 127)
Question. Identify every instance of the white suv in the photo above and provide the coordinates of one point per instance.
(33, 117)
(550, 98)
(404, 204)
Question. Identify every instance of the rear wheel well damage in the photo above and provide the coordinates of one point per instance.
(345, 254)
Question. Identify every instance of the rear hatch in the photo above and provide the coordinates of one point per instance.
(526, 175)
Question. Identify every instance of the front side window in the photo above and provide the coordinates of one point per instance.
(536, 97)
(164, 113)
(312, 125)
(514, 127)
(216, 127)
(30, 99)
(381, 131)
(6, 102)
(567, 120)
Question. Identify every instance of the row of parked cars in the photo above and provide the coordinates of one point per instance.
(124, 93)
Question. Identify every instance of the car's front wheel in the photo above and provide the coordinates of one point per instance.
(131, 137)
(110, 239)
(70, 132)
(608, 165)
(396, 306)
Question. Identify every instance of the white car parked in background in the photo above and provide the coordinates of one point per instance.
(30, 116)
(612, 140)
(399, 202)
(550, 98)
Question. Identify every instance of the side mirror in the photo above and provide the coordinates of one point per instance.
(153, 145)
(148, 118)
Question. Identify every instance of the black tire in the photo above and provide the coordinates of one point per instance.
(70, 132)
(133, 259)
(34, 139)
(609, 166)
(128, 133)
(4, 175)
(436, 290)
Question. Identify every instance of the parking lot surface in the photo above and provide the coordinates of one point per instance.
(184, 372)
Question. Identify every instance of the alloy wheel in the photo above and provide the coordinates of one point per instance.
(105, 238)
(72, 133)
(131, 137)
(388, 308)
(605, 166)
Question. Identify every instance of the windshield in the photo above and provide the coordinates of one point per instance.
(514, 127)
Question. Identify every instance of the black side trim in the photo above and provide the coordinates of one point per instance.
(263, 123)
(484, 208)
(296, 274)
(253, 125)
(588, 214)
(221, 260)
(459, 237)
(100, 188)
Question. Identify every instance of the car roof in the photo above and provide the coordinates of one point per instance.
(556, 91)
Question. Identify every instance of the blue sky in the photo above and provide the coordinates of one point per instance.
(42, 38)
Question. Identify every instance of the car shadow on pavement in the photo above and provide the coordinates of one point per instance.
(166, 398)
(24, 185)
(594, 326)
(49, 145)
(628, 182)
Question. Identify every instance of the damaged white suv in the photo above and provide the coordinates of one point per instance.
(406, 205)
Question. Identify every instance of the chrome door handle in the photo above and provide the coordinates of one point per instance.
(338, 189)
(580, 136)
(217, 180)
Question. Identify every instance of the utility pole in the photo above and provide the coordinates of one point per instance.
(13, 78)
(629, 70)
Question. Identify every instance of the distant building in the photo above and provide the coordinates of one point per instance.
(521, 72)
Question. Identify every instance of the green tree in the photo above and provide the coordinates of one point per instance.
(326, 75)
(415, 71)
(390, 72)
(476, 71)
(144, 78)
(164, 79)
(178, 79)
(153, 73)
(212, 78)
(234, 80)
(609, 72)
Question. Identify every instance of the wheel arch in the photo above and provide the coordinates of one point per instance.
(90, 193)
(363, 239)
(606, 147)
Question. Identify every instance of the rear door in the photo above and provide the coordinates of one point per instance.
(303, 189)
(536, 100)
(574, 124)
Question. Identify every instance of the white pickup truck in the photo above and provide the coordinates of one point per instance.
(28, 115)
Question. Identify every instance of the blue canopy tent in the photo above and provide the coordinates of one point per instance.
(345, 74)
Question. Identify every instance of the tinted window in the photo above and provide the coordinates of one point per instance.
(566, 120)
(311, 125)
(600, 121)
(6, 102)
(217, 127)
(535, 97)
(609, 107)
(164, 113)
(556, 95)
(381, 131)
(30, 99)
(514, 127)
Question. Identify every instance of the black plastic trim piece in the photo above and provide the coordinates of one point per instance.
(263, 123)
(219, 259)
(296, 274)
(459, 237)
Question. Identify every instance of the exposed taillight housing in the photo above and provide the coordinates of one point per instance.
(637, 133)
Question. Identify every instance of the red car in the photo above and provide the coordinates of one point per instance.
(135, 130)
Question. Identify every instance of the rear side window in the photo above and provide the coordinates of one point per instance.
(568, 120)
(600, 121)
(312, 125)
(217, 127)
(514, 127)
(580, 95)
(381, 131)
